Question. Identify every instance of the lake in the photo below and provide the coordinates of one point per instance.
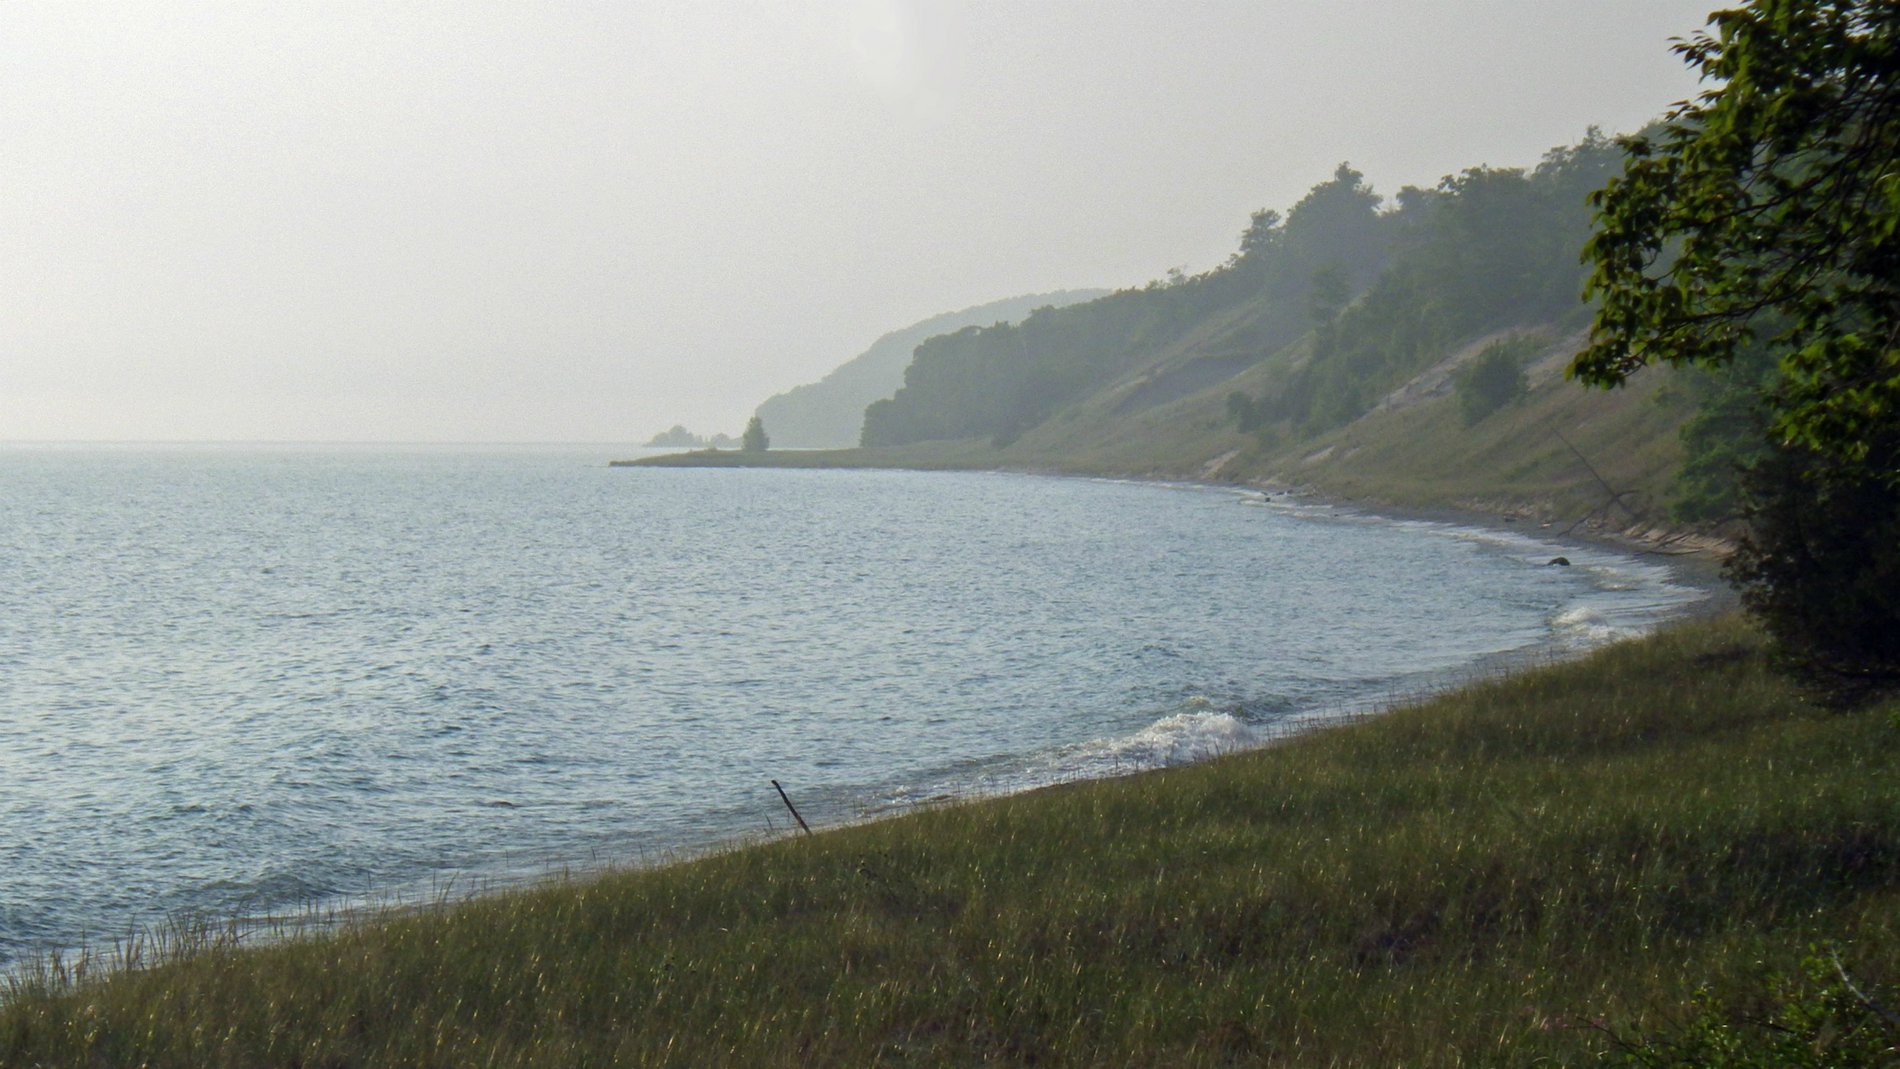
(238, 680)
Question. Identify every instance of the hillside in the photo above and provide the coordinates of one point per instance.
(829, 413)
(1514, 465)
(1327, 353)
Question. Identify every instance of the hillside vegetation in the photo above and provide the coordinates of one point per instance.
(1338, 349)
(1374, 297)
(829, 413)
(1510, 873)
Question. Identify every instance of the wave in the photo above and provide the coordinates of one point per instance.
(1583, 625)
(1195, 731)
(1178, 738)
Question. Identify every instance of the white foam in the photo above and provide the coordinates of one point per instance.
(1196, 732)
(1179, 738)
(1581, 625)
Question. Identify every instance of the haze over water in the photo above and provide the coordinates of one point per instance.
(242, 679)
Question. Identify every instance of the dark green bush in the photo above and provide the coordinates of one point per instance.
(1495, 378)
(1820, 564)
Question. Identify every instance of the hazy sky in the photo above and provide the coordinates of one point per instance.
(585, 222)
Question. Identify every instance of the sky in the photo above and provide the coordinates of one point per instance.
(566, 222)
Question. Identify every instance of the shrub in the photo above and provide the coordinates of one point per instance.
(1495, 378)
(1820, 564)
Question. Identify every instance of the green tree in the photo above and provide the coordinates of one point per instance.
(1820, 563)
(1242, 410)
(1776, 193)
(755, 439)
(1495, 377)
(1767, 211)
(1724, 436)
(1329, 292)
(1262, 234)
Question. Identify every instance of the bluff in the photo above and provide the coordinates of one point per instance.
(1405, 350)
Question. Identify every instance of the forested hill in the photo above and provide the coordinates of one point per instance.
(1346, 297)
(1405, 349)
(829, 414)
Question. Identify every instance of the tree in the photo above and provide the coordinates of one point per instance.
(1262, 234)
(755, 439)
(1820, 564)
(1776, 193)
(1766, 211)
(1329, 292)
(1495, 377)
(1336, 226)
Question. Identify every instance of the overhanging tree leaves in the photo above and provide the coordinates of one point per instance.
(1766, 212)
(1775, 193)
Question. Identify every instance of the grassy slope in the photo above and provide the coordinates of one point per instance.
(1464, 882)
(1511, 461)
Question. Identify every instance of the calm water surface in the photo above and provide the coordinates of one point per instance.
(237, 680)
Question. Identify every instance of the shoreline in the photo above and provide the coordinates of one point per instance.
(1503, 868)
(1699, 560)
(373, 905)
(1697, 571)
(1701, 553)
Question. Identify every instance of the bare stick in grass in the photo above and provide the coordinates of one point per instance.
(788, 804)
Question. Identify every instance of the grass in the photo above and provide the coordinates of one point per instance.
(1513, 459)
(1489, 877)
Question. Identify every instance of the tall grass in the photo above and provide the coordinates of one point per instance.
(1494, 876)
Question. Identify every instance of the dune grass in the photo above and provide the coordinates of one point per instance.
(1498, 875)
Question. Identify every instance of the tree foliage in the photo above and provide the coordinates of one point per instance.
(1487, 248)
(1495, 377)
(1764, 217)
(755, 440)
(1771, 200)
(996, 382)
(1724, 436)
(1820, 562)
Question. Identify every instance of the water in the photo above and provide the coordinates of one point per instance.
(238, 680)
